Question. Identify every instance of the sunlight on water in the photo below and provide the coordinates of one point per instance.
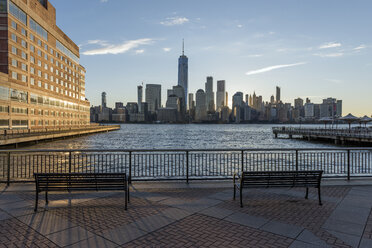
(193, 136)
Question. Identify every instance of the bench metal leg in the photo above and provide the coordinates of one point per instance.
(241, 197)
(320, 199)
(126, 199)
(46, 197)
(36, 201)
(234, 192)
(307, 193)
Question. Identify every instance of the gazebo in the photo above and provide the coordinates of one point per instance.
(326, 120)
(365, 119)
(349, 119)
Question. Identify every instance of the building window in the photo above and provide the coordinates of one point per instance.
(45, 56)
(32, 81)
(24, 32)
(32, 70)
(32, 37)
(32, 59)
(14, 62)
(19, 110)
(24, 67)
(24, 78)
(45, 76)
(14, 25)
(39, 42)
(4, 123)
(39, 83)
(19, 123)
(17, 13)
(14, 50)
(24, 44)
(39, 63)
(32, 48)
(14, 37)
(18, 95)
(24, 55)
(14, 75)
(39, 73)
(46, 86)
(46, 47)
(4, 109)
(39, 53)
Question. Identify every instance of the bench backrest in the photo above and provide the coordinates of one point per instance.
(80, 181)
(281, 178)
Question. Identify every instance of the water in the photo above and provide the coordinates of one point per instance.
(191, 136)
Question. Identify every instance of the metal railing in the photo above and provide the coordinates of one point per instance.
(353, 133)
(20, 165)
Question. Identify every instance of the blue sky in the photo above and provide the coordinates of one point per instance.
(316, 49)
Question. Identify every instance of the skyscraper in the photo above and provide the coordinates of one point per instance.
(277, 94)
(221, 91)
(183, 69)
(139, 97)
(209, 94)
(104, 100)
(200, 107)
(153, 97)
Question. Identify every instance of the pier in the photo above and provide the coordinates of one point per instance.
(15, 137)
(337, 136)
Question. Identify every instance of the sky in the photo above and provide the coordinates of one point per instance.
(315, 49)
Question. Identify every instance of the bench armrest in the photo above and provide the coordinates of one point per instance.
(236, 176)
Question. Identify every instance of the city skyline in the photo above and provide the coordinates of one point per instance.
(250, 50)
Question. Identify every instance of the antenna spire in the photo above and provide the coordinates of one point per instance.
(183, 47)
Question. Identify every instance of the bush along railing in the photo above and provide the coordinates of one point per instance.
(20, 165)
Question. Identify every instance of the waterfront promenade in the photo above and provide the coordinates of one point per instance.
(199, 214)
(15, 137)
(336, 136)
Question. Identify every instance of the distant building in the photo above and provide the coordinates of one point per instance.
(153, 97)
(221, 92)
(278, 94)
(331, 108)
(104, 100)
(200, 108)
(167, 115)
(183, 69)
(209, 94)
(139, 97)
(119, 105)
(298, 103)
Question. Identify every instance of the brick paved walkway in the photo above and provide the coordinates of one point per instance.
(179, 215)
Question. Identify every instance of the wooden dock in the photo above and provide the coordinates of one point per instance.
(337, 136)
(15, 137)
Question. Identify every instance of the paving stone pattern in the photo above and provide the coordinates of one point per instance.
(185, 216)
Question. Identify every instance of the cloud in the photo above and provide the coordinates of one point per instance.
(330, 45)
(274, 67)
(171, 21)
(119, 48)
(239, 25)
(103, 1)
(167, 49)
(328, 55)
(139, 51)
(360, 47)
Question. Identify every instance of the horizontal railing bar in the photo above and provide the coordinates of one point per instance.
(185, 150)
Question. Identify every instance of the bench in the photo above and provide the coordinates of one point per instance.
(267, 179)
(80, 182)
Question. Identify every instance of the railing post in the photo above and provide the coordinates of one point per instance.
(187, 167)
(296, 160)
(242, 159)
(69, 162)
(8, 172)
(348, 165)
(130, 168)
